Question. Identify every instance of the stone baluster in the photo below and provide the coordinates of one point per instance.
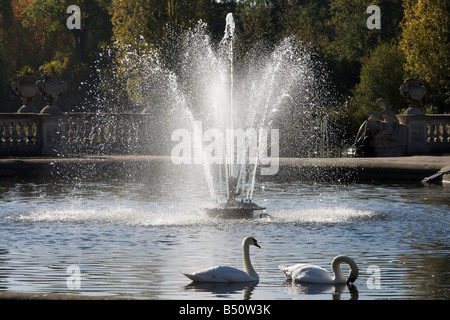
(27, 134)
(94, 133)
(70, 135)
(108, 132)
(431, 132)
(70, 130)
(8, 133)
(77, 132)
(439, 132)
(101, 133)
(21, 135)
(86, 131)
(15, 135)
(77, 135)
(119, 135)
(445, 135)
(113, 132)
(2, 134)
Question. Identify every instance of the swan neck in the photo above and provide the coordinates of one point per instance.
(248, 268)
(336, 267)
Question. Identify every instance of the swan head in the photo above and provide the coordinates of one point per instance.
(251, 241)
(353, 275)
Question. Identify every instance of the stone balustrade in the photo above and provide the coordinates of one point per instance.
(75, 134)
(20, 135)
(78, 134)
(104, 133)
(438, 130)
(427, 134)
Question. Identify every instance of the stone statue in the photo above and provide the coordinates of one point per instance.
(390, 120)
(386, 137)
(389, 136)
(388, 114)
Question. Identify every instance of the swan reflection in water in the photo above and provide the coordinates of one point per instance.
(317, 288)
(224, 289)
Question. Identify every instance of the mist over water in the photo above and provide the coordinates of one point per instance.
(174, 215)
(191, 82)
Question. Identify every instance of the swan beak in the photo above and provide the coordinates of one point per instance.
(257, 245)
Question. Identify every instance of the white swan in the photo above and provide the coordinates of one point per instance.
(230, 274)
(309, 273)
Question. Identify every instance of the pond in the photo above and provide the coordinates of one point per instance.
(124, 238)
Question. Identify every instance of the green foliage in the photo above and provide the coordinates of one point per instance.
(351, 34)
(365, 64)
(152, 20)
(95, 25)
(253, 22)
(425, 42)
(381, 77)
(26, 71)
(352, 39)
(308, 21)
(53, 68)
(147, 25)
(68, 53)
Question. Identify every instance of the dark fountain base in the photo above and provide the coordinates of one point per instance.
(236, 210)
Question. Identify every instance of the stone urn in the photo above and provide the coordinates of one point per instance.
(25, 87)
(51, 88)
(414, 91)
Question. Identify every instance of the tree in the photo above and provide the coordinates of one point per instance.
(425, 42)
(307, 20)
(153, 20)
(253, 24)
(381, 76)
(95, 25)
(20, 45)
(75, 48)
(152, 25)
(352, 41)
(349, 22)
(5, 66)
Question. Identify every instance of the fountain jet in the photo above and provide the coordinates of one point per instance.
(234, 175)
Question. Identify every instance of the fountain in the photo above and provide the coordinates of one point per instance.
(224, 113)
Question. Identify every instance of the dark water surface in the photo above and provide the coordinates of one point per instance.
(133, 239)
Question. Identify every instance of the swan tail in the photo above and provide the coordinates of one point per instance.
(283, 268)
(190, 276)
